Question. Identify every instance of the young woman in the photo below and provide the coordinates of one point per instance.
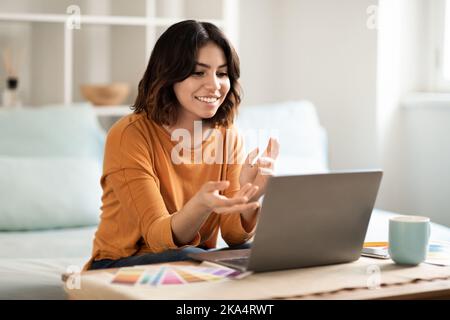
(158, 203)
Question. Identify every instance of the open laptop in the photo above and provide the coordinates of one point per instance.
(307, 220)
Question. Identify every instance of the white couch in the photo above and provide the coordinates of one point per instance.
(31, 262)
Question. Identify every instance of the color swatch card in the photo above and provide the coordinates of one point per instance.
(152, 276)
(439, 253)
(375, 250)
(128, 276)
(172, 275)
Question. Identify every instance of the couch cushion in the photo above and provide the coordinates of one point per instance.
(50, 166)
(303, 141)
(51, 131)
(42, 193)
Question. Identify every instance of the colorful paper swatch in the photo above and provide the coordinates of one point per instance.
(439, 253)
(158, 276)
(146, 279)
(172, 275)
(189, 277)
(128, 276)
(376, 244)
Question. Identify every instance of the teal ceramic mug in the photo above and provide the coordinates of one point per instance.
(408, 239)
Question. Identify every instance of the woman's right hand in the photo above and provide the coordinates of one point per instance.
(209, 199)
(186, 222)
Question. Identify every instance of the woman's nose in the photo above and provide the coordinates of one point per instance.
(213, 82)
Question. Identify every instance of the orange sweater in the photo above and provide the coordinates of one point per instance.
(142, 187)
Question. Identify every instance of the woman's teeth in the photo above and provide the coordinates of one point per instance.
(207, 99)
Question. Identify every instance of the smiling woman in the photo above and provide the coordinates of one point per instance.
(156, 209)
(201, 94)
(193, 61)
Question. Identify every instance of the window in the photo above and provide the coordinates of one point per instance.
(446, 45)
(440, 20)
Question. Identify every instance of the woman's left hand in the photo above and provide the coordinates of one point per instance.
(258, 173)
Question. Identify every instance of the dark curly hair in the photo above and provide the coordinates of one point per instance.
(173, 59)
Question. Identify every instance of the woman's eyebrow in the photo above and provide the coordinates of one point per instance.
(208, 66)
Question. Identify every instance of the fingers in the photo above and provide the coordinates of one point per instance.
(244, 189)
(266, 166)
(222, 204)
(267, 159)
(223, 201)
(251, 156)
(241, 197)
(272, 149)
(265, 162)
(247, 191)
(265, 172)
(216, 185)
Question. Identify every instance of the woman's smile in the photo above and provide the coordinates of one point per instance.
(208, 99)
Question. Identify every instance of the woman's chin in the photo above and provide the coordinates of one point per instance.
(208, 114)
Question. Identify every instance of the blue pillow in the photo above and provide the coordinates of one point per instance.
(50, 166)
(44, 193)
(51, 131)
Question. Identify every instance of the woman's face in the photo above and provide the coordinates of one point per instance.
(202, 93)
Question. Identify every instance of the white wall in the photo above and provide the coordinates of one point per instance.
(258, 33)
(319, 50)
(413, 141)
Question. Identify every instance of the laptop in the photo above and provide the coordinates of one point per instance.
(307, 220)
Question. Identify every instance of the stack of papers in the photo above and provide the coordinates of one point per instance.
(376, 250)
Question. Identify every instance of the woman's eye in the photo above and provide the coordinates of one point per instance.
(202, 73)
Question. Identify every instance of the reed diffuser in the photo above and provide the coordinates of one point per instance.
(10, 94)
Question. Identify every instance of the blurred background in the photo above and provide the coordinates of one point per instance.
(376, 71)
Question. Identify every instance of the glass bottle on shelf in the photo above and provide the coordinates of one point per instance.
(10, 94)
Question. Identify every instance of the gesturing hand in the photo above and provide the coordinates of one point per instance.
(209, 199)
(186, 223)
(258, 173)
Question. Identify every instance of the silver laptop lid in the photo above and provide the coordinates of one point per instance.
(314, 219)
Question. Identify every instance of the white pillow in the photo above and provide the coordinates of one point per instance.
(44, 193)
(294, 123)
(291, 165)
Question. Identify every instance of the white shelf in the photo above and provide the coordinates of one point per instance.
(109, 111)
(90, 19)
(228, 22)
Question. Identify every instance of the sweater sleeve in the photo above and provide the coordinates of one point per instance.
(231, 227)
(136, 186)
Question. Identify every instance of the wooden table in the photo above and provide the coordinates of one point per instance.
(438, 288)
(419, 290)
